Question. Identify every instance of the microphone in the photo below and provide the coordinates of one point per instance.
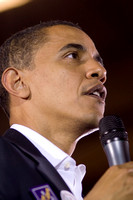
(114, 140)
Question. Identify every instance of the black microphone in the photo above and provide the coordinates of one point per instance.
(114, 140)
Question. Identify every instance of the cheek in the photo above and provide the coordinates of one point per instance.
(65, 82)
(68, 85)
(57, 85)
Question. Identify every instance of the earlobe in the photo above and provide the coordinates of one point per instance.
(13, 81)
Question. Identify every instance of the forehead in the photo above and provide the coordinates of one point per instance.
(60, 35)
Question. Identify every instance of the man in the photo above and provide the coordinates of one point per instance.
(53, 92)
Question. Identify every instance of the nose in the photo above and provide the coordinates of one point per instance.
(98, 72)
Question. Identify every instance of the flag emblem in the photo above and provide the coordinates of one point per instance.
(43, 192)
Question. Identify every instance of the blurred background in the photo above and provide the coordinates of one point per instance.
(109, 24)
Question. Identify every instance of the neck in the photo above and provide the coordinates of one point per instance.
(63, 137)
(63, 133)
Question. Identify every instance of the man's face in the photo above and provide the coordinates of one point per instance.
(67, 82)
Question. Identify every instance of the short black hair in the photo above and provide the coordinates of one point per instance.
(19, 49)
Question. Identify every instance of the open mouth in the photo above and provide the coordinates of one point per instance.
(98, 91)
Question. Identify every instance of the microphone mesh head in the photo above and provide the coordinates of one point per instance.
(112, 128)
(110, 122)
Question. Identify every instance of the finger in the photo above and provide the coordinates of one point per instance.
(128, 165)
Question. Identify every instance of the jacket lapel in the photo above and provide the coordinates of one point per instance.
(43, 165)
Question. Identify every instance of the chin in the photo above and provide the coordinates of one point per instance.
(93, 120)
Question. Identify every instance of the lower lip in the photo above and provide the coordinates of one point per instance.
(97, 97)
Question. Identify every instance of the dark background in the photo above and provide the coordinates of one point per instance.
(109, 24)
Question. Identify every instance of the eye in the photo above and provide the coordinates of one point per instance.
(99, 59)
(73, 55)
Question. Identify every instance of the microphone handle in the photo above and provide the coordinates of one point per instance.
(117, 152)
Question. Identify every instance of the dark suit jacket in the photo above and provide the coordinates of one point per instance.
(23, 167)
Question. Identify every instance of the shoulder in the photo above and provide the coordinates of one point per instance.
(7, 150)
(4, 145)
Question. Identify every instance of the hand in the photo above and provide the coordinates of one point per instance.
(115, 184)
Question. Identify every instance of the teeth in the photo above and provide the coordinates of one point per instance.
(96, 93)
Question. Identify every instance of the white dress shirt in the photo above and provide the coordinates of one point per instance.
(64, 164)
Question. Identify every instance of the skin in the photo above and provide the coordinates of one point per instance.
(115, 184)
(50, 99)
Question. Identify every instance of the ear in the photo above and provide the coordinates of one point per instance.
(12, 80)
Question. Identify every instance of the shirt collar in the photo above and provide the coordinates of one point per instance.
(53, 154)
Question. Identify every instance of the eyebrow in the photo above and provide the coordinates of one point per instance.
(73, 45)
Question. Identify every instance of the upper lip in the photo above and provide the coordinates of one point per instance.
(98, 90)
